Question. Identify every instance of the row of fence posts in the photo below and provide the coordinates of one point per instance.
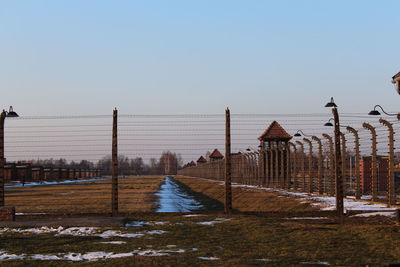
(256, 167)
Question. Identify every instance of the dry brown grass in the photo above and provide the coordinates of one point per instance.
(136, 193)
(245, 199)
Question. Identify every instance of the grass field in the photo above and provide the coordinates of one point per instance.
(245, 199)
(289, 232)
(244, 240)
(135, 194)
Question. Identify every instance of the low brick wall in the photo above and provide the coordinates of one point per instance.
(7, 213)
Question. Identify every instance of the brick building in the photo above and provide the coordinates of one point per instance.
(382, 174)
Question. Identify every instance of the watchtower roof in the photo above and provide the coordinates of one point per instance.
(275, 132)
(216, 154)
(396, 76)
(201, 160)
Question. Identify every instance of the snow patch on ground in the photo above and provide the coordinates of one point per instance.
(19, 184)
(379, 213)
(264, 260)
(194, 215)
(307, 218)
(113, 242)
(80, 231)
(141, 223)
(208, 258)
(5, 256)
(74, 231)
(114, 233)
(32, 213)
(316, 263)
(217, 220)
(89, 256)
(325, 202)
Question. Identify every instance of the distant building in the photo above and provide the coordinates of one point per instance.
(396, 81)
(216, 155)
(201, 160)
(382, 174)
(192, 164)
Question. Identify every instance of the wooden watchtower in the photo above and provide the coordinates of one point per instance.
(274, 155)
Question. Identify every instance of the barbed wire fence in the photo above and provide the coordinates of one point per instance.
(307, 163)
(154, 145)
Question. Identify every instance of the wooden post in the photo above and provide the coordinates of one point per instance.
(310, 179)
(374, 178)
(320, 159)
(391, 184)
(294, 169)
(2, 159)
(357, 160)
(114, 189)
(338, 165)
(331, 165)
(303, 172)
(228, 171)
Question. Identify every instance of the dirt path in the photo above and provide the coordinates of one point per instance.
(245, 199)
(135, 194)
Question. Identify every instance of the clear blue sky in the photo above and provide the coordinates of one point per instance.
(154, 57)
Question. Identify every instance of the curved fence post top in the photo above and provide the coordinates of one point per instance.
(327, 136)
(317, 139)
(300, 144)
(308, 141)
(351, 130)
(386, 123)
(369, 127)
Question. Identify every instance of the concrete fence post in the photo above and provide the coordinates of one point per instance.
(357, 160)
(294, 169)
(302, 164)
(310, 159)
(343, 154)
(391, 183)
(331, 164)
(374, 178)
(287, 164)
(320, 160)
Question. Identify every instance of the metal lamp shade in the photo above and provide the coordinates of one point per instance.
(374, 113)
(11, 113)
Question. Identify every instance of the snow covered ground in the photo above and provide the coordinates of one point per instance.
(217, 220)
(28, 184)
(81, 231)
(89, 256)
(324, 202)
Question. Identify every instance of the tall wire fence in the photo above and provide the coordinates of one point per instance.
(153, 146)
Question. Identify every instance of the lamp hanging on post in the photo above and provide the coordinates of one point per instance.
(338, 160)
(375, 112)
(299, 133)
(329, 123)
(5, 114)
